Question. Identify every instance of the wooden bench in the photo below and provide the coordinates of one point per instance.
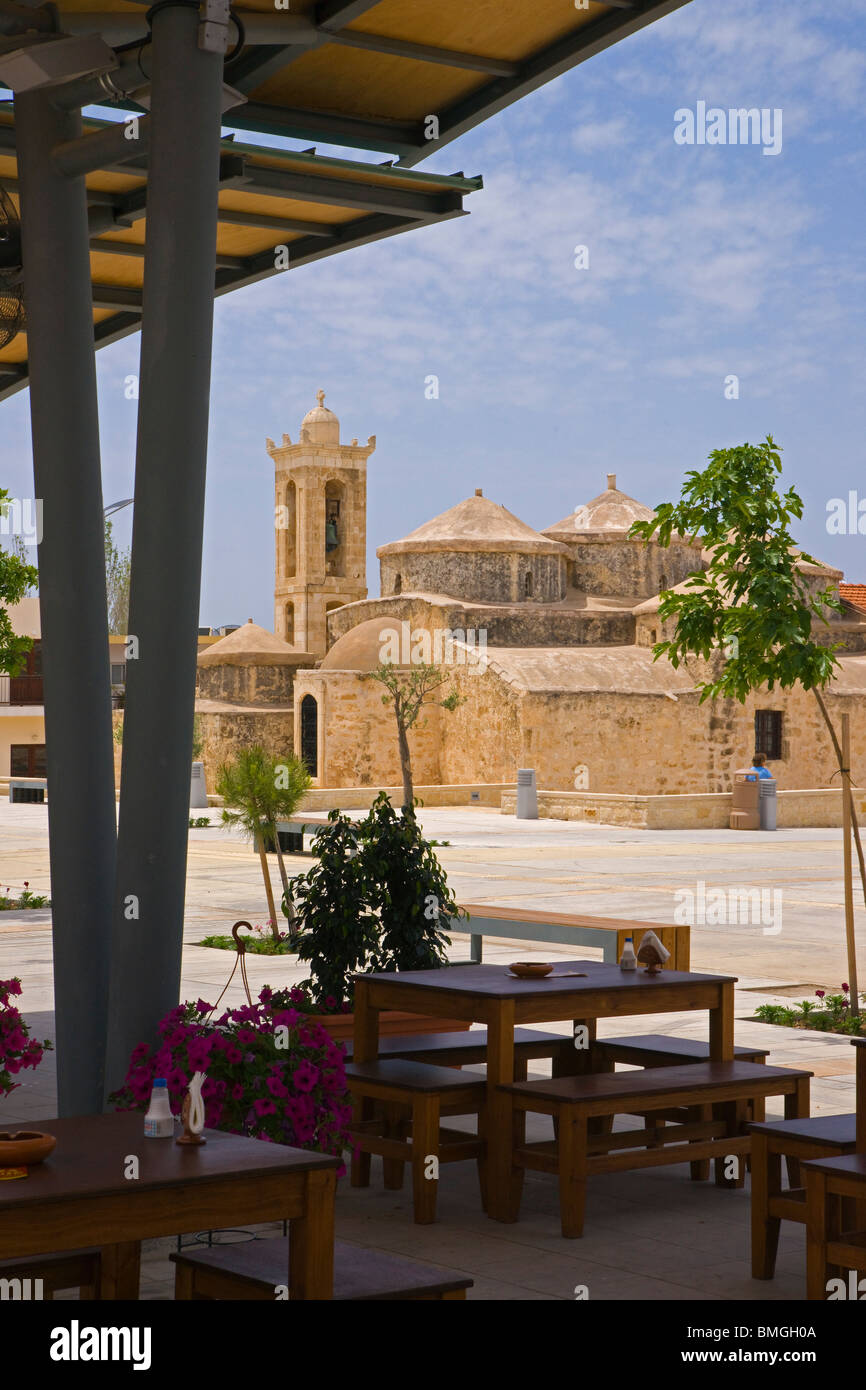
(470, 1049)
(74, 1269)
(835, 1222)
(796, 1141)
(713, 1095)
(823, 1136)
(570, 929)
(256, 1269)
(412, 1097)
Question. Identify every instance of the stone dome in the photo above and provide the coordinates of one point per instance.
(609, 514)
(361, 648)
(251, 645)
(476, 524)
(321, 424)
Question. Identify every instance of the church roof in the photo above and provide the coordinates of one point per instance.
(477, 523)
(611, 513)
(621, 671)
(320, 423)
(361, 648)
(251, 645)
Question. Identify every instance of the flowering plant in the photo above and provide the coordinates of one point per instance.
(17, 1048)
(272, 1073)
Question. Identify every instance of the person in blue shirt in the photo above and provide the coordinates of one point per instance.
(758, 766)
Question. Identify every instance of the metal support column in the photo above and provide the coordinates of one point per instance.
(77, 682)
(174, 389)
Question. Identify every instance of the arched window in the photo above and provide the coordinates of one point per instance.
(290, 624)
(663, 582)
(398, 584)
(335, 524)
(291, 526)
(527, 584)
(310, 734)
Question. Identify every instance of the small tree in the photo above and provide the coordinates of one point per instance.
(752, 605)
(16, 577)
(338, 929)
(407, 691)
(117, 575)
(408, 889)
(258, 790)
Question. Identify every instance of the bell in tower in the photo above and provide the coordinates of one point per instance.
(320, 527)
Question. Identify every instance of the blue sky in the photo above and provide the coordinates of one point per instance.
(704, 261)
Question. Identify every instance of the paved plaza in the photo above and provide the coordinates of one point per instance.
(649, 1235)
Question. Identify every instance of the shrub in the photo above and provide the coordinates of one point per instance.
(272, 1072)
(17, 1049)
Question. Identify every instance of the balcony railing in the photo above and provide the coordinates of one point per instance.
(21, 690)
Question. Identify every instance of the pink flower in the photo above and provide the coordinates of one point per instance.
(276, 1087)
(820, 993)
(264, 1107)
(305, 1076)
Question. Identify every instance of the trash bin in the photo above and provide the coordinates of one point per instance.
(527, 794)
(767, 802)
(197, 788)
(745, 806)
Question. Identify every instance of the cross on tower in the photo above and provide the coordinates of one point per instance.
(320, 397)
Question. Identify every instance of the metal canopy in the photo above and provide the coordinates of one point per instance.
(369, 73)
(200, 216)
(313, 206)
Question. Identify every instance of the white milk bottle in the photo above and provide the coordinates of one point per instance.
(159, 1121)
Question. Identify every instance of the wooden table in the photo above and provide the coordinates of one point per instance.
(82, 1196)
(488, 994)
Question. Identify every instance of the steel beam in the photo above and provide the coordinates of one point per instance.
(72, 599)
(174, 387)
(423, 53)
(336, 14)
(394, 137)
(111, 147)
(349, 193)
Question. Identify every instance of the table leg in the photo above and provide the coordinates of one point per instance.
(861, 1099)
(722, 1025)
(766, 1184)
(311, 1240)
(119, 1270)
(501, 1183)
(366, 1049)
(816, 1236)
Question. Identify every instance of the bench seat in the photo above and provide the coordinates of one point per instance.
(713, 1099)
(256, 1269)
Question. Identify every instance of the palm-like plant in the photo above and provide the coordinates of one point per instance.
(258, 790)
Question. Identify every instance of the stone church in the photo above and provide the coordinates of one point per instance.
(547, 636)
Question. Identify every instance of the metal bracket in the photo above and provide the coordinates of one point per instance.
(213, 32)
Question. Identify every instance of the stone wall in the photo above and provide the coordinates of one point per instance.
(481, 738)
(248, 685)
(478, 576)
(628, 569)
(796, 809)
(358, 735)
(518, 626)
(647, 745)
(224, 733)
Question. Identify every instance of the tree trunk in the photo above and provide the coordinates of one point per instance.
(405, 761)
(287, 888)
(266, 874)
(846, 791)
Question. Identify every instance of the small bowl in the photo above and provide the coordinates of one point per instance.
(530, 969)
(24, 1148)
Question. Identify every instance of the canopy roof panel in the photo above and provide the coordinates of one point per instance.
(370, 73)
(313, 206)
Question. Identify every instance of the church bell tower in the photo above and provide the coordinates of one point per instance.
(320, 526)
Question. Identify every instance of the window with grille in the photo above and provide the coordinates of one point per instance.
(768, 733)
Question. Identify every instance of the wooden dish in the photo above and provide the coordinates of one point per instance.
(529, 969)
(24, 1148)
